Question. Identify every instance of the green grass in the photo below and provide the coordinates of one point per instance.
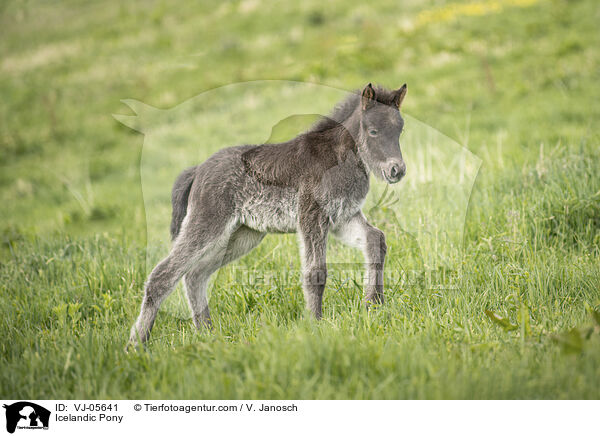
(516, 83)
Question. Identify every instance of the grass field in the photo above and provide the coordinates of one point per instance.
(513, 81)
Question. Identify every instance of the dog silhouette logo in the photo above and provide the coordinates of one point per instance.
(26, 415)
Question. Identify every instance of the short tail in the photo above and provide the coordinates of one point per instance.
(179, 199)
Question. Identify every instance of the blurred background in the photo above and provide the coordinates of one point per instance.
(512, 82)
(501, 77)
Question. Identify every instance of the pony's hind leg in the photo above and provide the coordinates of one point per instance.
(193, 244)
(160, 284)
(196, 280)
(196, 283)
(242, 241)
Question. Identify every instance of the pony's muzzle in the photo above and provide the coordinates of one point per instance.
(395, 171)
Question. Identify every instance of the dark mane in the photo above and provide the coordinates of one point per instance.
(283, 164)
(345, 108)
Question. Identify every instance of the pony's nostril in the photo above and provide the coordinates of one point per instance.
(395, 171)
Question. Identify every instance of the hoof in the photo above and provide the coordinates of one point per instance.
(135, 342)
(374, 300)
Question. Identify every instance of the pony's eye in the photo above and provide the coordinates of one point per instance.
(373, 132)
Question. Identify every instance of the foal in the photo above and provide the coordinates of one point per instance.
(314, 184)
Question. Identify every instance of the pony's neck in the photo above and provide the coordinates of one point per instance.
(352, 126)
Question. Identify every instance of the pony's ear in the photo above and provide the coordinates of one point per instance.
(399, 95)
(368, 97)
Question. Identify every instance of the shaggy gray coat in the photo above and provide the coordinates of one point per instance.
(314, 184)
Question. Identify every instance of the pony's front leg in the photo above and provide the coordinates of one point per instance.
(313, 227)
(375, 252)
(357, 232)
(314, 272)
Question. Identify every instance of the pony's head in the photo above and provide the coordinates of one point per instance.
(380, 127)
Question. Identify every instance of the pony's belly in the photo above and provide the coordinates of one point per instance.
(272, 209)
